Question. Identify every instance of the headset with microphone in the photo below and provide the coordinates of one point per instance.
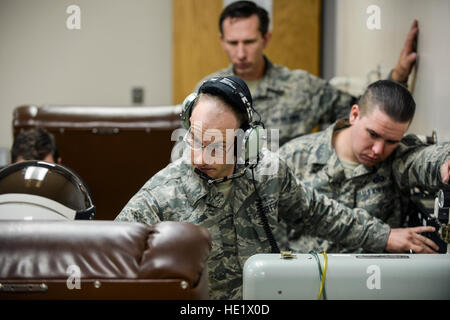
(211, 180)
(235, 92)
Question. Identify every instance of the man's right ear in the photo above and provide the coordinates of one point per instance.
(355, 113)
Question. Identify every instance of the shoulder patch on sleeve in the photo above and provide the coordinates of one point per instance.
(412, 140)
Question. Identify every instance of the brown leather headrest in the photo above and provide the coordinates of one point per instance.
(87, 117)
(103, 250)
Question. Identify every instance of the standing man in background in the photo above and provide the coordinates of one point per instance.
(293, 101)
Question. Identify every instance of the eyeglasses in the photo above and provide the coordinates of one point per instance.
(195, 144)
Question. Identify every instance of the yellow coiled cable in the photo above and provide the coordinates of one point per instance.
(322, 273)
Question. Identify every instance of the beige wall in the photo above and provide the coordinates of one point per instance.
(121, 44)
(359, 50)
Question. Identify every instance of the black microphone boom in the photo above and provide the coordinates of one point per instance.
(210, 180)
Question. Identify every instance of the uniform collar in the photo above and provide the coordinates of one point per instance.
(326, 154)
(196, 188)
(269, 84)
(243, 183)
(323, 147)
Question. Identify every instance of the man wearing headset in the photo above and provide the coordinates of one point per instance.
(293, 101)
(246, 199)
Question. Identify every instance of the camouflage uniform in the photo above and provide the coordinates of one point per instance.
(382, 190)
(177, 193)
(294, 101)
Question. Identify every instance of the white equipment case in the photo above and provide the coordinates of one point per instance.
(348, 276)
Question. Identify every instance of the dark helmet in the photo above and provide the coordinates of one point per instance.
(41, 190)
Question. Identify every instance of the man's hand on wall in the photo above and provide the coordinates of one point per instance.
(408, 55)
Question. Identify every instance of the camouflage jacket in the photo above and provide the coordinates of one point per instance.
(177, 193)
(294, 101)
(383, 190)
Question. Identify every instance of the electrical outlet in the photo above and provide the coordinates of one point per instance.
(137, 95)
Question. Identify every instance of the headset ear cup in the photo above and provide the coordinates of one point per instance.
(186, 109)
(253, 144)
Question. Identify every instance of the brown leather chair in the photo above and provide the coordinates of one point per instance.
(104, 259)
(114, 149)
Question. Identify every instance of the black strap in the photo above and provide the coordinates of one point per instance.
(267, 230)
